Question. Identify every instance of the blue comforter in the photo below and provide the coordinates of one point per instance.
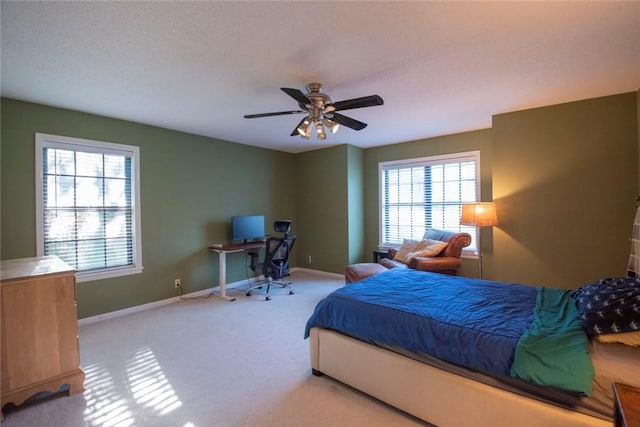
(476, 324)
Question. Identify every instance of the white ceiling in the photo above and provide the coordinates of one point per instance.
(441, 67)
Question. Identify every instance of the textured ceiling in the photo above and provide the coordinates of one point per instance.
(198, 67)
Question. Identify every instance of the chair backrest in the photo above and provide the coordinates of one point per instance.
(282, 226)
(276, 256)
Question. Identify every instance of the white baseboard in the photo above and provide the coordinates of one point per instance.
(155, 304)
(318, 272)
(204, 292)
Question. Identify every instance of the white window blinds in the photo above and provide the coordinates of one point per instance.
(420, 194)
(88, 205)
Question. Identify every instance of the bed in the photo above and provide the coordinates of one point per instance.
(469, 371)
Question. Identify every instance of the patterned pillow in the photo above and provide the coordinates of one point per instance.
(408, 246)
(428, 248)
(413, 248)
(610, 305)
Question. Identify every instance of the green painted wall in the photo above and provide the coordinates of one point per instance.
(564, 180)
(467, 141)
(355, 203)
(190, 187)
(322, 208)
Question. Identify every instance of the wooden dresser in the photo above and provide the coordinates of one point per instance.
(39, 328)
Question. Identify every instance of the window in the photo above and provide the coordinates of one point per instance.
(424, 193)
(88, 205)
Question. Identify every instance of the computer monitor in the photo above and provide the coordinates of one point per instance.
(246, 228)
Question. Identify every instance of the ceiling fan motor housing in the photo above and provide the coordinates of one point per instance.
(319, 100)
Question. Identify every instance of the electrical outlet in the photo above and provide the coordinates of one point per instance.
(307, 259)
(177, 284)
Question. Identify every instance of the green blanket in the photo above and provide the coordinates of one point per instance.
(553, 351)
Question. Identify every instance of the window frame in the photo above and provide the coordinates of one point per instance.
(43, 141)
(441, 159)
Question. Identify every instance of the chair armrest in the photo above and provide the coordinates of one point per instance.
(392, 263)
(392, 252)
(435, 263)
(457, 242)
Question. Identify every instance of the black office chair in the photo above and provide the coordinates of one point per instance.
(275, 266)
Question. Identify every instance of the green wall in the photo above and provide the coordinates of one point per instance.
(322, 206)
(565, 179)
(355, 203)
(330, 203)
(190, 187)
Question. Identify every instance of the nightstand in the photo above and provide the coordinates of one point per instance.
(378, 254)
(626, 405)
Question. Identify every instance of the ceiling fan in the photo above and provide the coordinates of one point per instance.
(321, 111)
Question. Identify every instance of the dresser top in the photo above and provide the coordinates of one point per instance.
(29, 267)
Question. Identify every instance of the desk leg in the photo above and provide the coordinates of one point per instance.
(222, 276)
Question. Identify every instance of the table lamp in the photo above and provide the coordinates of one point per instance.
(479, 214)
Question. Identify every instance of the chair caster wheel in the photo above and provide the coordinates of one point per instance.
(248, 294)
(268, 299)
(291, 292)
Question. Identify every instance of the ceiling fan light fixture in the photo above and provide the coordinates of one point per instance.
(305, 136)
(331, 125)
(304, 129)
(320, 131)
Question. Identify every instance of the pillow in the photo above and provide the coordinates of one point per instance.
(610, 306)
(408, 246)
(413, 248)
(628, 338)
(428, 248)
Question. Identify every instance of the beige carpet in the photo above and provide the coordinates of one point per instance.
(209, 362)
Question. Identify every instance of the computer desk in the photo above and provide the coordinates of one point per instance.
(222, 252)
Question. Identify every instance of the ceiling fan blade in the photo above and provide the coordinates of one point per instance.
(348, 122)
(279, 113)
(297, 95)
(365, 101)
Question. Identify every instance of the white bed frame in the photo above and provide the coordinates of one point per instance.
(429, 393)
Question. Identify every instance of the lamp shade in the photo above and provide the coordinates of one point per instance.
(480, 214)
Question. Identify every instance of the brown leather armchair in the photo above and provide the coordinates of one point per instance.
(446, 262)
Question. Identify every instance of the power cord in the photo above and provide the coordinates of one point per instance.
(246, 266)
(183, 298)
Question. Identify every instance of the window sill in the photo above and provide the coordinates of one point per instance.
(469, 255)
(107, 274)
